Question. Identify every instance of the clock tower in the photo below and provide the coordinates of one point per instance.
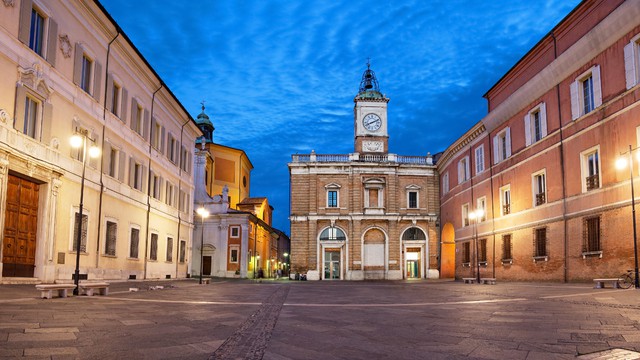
(370, 116)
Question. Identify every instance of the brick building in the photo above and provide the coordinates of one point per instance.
(540, 164)
(370, 214)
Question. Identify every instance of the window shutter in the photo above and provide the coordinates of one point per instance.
(123, 105)
(467, 172)
(630, 65)
(47, 122)
(152, 133)
(97, 77)
(132, 171)
(52, 41)
(575, 103)
(145, 179)
(145, 125)
(106, 157)
(21, 96)
(527, 129)
(508, 135)
(121, 165)
(160, 188)
(189, 160)
(543, 119)
(77, 64)
(597, 86)
(109, 94)
(496, 151)
(24, 30)
(134, 112)
(162, 136)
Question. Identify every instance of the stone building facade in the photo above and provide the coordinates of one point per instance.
(541, 163)
(69, 69)
(370, 214)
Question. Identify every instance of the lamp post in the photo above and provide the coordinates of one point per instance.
(475, 216)
(203, 215)
(621, 163)
(286, 262)
(79, 139)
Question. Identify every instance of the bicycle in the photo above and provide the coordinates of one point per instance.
(626, 280)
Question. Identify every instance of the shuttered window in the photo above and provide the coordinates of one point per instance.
(83, 230)
(110, 243)
(133, 243)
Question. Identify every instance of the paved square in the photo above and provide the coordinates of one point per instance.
(240, 319)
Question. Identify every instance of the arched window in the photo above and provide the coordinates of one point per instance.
(414, 233)
(332, 233)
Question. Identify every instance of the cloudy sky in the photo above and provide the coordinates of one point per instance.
(279, 77)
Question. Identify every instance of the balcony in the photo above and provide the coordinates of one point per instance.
(540, 199)
(506, 209)
(593, 182)
(362, 158)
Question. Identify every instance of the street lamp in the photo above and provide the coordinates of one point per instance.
(203, 215)
(621, 163)
(286, 262)
(476, 216)
(79, 139)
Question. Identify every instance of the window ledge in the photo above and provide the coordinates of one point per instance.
(540, 258)
(482, 263)
(507, 261)
(109, 256)
(592, 254)
(467, 264)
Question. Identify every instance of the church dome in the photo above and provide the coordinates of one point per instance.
(205, 125)
(369, 88)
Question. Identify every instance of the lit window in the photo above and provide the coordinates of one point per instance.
(539, 188)
(590, 167)
(465, 215)
(505, 200)
(482, 206)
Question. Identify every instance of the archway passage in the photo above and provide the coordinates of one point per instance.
(448, 252)
(374, 254)
(20, 224)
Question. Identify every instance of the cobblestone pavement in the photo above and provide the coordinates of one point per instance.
(275, 320)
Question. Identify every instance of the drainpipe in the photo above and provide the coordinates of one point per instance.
(146, 241)
(493, 217)
(562, 174)
(179, 213)
(104, 120)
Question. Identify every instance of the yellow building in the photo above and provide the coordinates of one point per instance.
(236, 238)
(67, 68)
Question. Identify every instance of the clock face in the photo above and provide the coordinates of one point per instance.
(372, 122)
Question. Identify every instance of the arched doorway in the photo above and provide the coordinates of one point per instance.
(332, 240)
(374, 254)
(414, 247)
(448, 252)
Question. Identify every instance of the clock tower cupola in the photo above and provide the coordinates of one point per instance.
(370, 116)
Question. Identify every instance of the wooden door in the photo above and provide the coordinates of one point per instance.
(206, 265)
(20, 225)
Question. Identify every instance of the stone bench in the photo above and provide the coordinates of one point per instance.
(600, 283)
(488, 281)
(88, 288)
(469, 280)
(46, 290)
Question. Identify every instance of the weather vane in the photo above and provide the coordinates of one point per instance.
(202, 105)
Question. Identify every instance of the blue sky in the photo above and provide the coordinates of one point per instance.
(279, 77)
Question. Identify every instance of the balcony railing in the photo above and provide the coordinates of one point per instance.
(593, 182)
(355, 157)
(540, 199)
(506, 209)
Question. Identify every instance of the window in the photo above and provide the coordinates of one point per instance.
(153, 251)
(116, 93)
(183, 201)
(110, 241)
(169, 199)
(480, 159)
(374, 195)
(466, 252)
(134, 240)
(590, 168)
(85, 73)
(31, 116)
(631, 62)
(540, 242)
(183, 250)
(36, 38)
(539, 188)
(156, 133)
(445, 183)
(235, 232)
(233, 254)
(171, 151)
(465, 215)
(535, 124)
(185, 159)
(586, 93)
(463, 170)
(332, 198)
(412, 199)
(505, 200)
(506, 247)
(482, 205)
(137, 119)
(591, 242)
(169, 249)
(83, 232)
(137, 176)
(113, 162)
(482, 251)
(502, 146)
(414, 233)
(155, 186)
(332, 233)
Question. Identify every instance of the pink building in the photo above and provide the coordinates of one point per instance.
(541, 164)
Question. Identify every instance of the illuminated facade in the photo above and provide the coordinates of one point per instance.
(541, 163)
(370, 214)
(67, 67)
(238, 240)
